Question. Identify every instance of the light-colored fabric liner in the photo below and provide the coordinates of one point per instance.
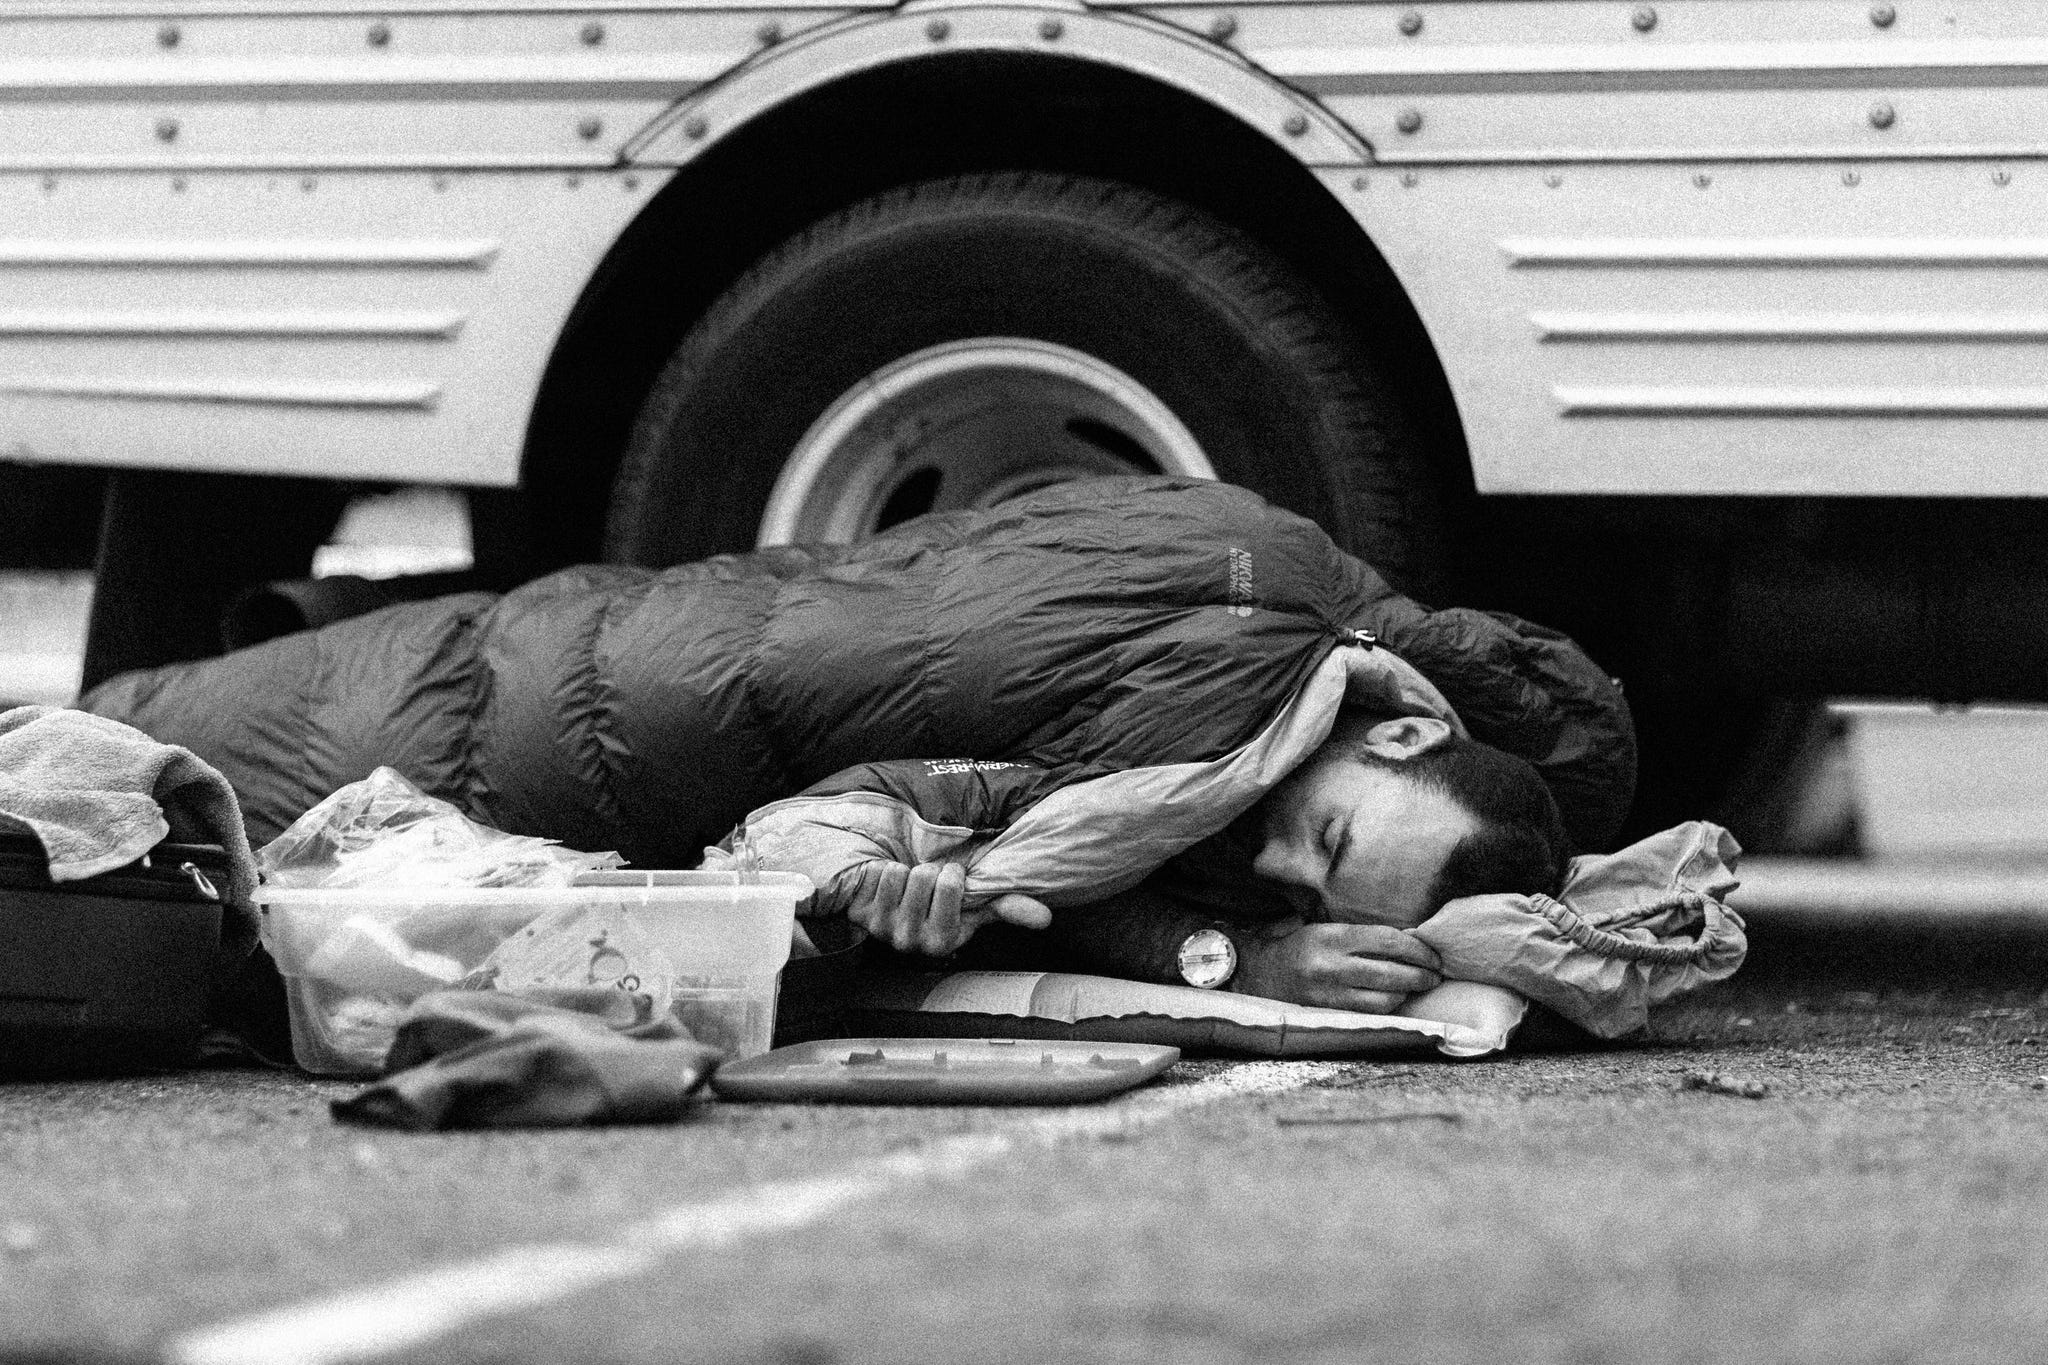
(1095, 838)
(1459, 1019)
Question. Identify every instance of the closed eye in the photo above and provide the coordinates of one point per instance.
(1337, 854)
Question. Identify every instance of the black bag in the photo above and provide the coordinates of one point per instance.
(110, 973)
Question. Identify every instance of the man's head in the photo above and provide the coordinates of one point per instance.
(1390, 819)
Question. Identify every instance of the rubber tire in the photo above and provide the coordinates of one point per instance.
(1283, 396)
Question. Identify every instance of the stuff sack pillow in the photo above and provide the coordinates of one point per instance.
(1628, 931)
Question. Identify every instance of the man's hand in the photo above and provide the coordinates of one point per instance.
(1364, 967)
(918, 910)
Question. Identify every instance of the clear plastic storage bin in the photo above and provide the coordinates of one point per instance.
(701, 945)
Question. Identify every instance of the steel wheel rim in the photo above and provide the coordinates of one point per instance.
(970, 424)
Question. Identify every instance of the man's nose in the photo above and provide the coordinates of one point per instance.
(1277, 863)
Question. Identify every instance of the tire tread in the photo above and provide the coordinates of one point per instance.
(1386, 498)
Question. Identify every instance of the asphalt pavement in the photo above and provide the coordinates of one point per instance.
(1882, 1200)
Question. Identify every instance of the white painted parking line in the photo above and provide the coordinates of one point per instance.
(365, 1323)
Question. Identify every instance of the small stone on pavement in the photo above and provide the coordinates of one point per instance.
(1720, 1083)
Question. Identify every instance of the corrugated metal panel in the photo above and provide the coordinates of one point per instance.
(1159, 51)
(1704, 246)
(1770, 328)
(328, 87)
(579, 9)
(208, 323)
(232, 388)
(311, 339)
(319, 237)
(1783, 326)
(1579, 80)
(1684, 257)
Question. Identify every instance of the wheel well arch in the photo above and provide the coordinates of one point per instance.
(923, 117)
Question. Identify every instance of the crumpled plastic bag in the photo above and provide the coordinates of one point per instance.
(580, 946)
(384, 831)
(368, 956)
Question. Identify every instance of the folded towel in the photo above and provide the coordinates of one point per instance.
(97, 795)
(486, 1059)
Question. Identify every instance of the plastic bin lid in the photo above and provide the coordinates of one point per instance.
(942, 1071)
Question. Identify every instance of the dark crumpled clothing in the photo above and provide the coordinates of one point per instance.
(484, 1059)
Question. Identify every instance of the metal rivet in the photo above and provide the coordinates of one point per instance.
(591, 33)
(631, 182)
(1359, 182)
(1296, 125)
(695, 128)
(2001, 178)
(937, 30)
(1882, 115)
(1409, 179)
(1411, 22)
(440, 184)
(380, 34)
(1553, 180)
(1702, 180)
(1222, 26)
(308, 184)
(1409, 120)
(1883, 15)
(1645, 18)
(1051, 29)
(166, 130)
(572, 182)
(177, 184)
(1852, 179)
(769, 34)
(169, 36)
(590, 129)
(49, 184)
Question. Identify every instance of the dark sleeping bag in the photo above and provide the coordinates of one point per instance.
(1082, 631)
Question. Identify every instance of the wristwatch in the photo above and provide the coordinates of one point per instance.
(1207, 959)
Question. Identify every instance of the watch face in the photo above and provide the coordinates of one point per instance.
(1207, 958)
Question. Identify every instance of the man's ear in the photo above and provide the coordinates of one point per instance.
(1406, 736)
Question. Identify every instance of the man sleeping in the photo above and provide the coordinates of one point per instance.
(1062, 708)
(1305, 898)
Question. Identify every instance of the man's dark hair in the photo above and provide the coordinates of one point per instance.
(1520, 844)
